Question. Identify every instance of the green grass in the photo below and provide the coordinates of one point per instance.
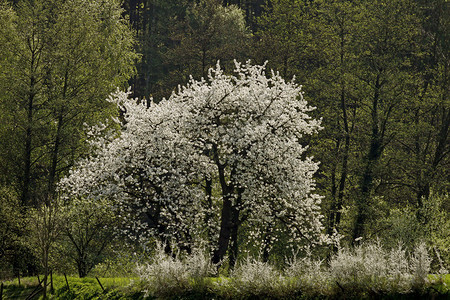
(12, 289)
(79, 288)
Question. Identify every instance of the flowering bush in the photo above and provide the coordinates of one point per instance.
(256, 278)
(372, 268)
(166, 275)
(309, 275)
(420, 266)
(364, 271)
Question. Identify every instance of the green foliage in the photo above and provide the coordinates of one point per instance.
(44, 227)
(7, 60)
(371, 70)
(86, 288)
(75, 236)
(214, 288)
(152, 21)
(62, 59)
(119, 261)
(440, 283)
(58, 62)
(208, 33)
(430, 224)
(89, 233)
(11, 226)
(377, 71)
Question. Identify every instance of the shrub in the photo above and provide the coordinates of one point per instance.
(420, 266)
(429, 224)
(253, 277)
(166, 275)
(309, 276)
(364, 271)
(370, 268)
(398, 270)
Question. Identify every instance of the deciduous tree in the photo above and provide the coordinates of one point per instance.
(219, 154)
(62, 58)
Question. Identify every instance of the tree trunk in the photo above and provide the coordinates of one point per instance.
(55, 155)
(82, 266)
(46, 258)
(57, 143)
(374, 154)
(225, 230)
(234, 248)
(209, 214)
(33, 46)
(333, 208)
(226, 213)
(345, 156)
(266, 245)
(338, 202)
(28, 144)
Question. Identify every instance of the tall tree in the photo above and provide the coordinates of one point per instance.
(423, 148)
(7, 73)
(385, 47)
(334, 92)
(285, 38)
(152, 21)
(371, 70)
(242, 133)
(66, 57)
(314, 41)
(252, 10)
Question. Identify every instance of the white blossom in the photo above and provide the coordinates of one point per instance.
(249, 125)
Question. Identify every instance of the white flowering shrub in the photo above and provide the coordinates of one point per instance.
(420, 265)
(165, 275)
(309, 275)
(398, 270)
(367, 271)
(371, 268)
(253, 277)
(221, 153)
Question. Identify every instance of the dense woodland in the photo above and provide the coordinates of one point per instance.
(378, 73)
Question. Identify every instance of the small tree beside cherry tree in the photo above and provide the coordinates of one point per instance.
(221, 154)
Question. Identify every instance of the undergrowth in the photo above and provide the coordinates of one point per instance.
(365, 272)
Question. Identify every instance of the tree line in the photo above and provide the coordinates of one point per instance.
(378, 73)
